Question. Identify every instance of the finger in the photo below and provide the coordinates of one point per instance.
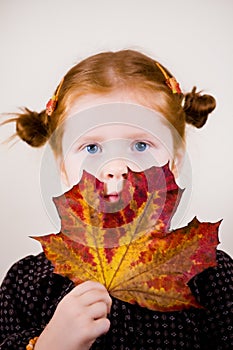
(84, 287)
(96, 329)
(102, 326)
(97, 310)
(94, 296)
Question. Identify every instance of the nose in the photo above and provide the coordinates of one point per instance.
(114, 170)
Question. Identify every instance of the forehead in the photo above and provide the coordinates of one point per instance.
(116, 120)
(112, 114)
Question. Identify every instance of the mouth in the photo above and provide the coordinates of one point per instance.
(112, 197)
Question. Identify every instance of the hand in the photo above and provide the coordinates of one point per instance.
(79, 319)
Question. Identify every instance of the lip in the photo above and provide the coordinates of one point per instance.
(112, 197)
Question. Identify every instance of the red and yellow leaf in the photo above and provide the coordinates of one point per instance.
(127, 245)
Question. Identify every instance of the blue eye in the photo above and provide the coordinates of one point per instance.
(92, 149)
(141, 146)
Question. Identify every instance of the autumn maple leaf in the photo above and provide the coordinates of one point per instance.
(127, 245)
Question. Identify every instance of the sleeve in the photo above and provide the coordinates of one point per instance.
(213, 289)
(14, 332)
(29, 296)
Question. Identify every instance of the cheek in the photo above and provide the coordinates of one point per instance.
(71, 170)
(73, 164)
(154, 157)
(162, 156)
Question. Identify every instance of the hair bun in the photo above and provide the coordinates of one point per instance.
(197, 107)
(32, 127)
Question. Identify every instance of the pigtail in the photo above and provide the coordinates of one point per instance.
(105, 73)
(36, 128)
(32, 127)
(197, 107)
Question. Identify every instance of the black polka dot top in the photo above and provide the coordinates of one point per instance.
(31, 292)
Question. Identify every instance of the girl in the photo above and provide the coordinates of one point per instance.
(43, 310)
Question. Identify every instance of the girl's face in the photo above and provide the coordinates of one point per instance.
(107, 135)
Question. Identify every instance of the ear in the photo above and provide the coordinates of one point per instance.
(62, 171)
(178, 161)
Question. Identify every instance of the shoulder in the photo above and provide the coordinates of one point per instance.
(34, 270)
(223, 268)
(31, 265)
(223, 258)
(215, 284)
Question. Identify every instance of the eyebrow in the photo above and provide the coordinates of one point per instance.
(101, 138)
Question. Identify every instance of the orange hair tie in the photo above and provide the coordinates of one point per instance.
(170, 81)
(52, 103)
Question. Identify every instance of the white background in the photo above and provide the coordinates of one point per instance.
(41, 40)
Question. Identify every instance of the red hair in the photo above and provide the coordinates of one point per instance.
(105, 73)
